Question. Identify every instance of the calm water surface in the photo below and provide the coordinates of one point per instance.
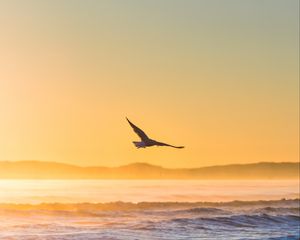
(37, 191)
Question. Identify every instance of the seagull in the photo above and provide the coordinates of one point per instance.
(146, 141)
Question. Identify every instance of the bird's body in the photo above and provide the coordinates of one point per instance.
(145, 140)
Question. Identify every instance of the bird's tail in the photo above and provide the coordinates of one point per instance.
(139, 144)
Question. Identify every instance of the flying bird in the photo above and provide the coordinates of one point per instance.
(146, 141)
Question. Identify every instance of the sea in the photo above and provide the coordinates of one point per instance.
(149, 209)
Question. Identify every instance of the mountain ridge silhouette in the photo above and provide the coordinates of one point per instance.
(33, 169)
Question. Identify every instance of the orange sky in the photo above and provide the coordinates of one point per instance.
(220, 77)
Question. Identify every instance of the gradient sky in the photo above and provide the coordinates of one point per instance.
(220, 77)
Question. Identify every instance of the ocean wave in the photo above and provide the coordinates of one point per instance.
(190, 223)
(279, 210)
(287, 237)
(244, 220)
(203, 210)
(268, 206)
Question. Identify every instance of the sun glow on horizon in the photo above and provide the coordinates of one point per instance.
(219, 77)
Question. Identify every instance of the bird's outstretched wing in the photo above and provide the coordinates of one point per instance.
(168, 145)
(138, 131)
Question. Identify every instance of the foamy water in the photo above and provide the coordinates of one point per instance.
(125, 210)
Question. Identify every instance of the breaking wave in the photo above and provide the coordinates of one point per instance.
(271, 205)
(272, 220)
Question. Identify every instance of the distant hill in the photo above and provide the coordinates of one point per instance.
(54, 170)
